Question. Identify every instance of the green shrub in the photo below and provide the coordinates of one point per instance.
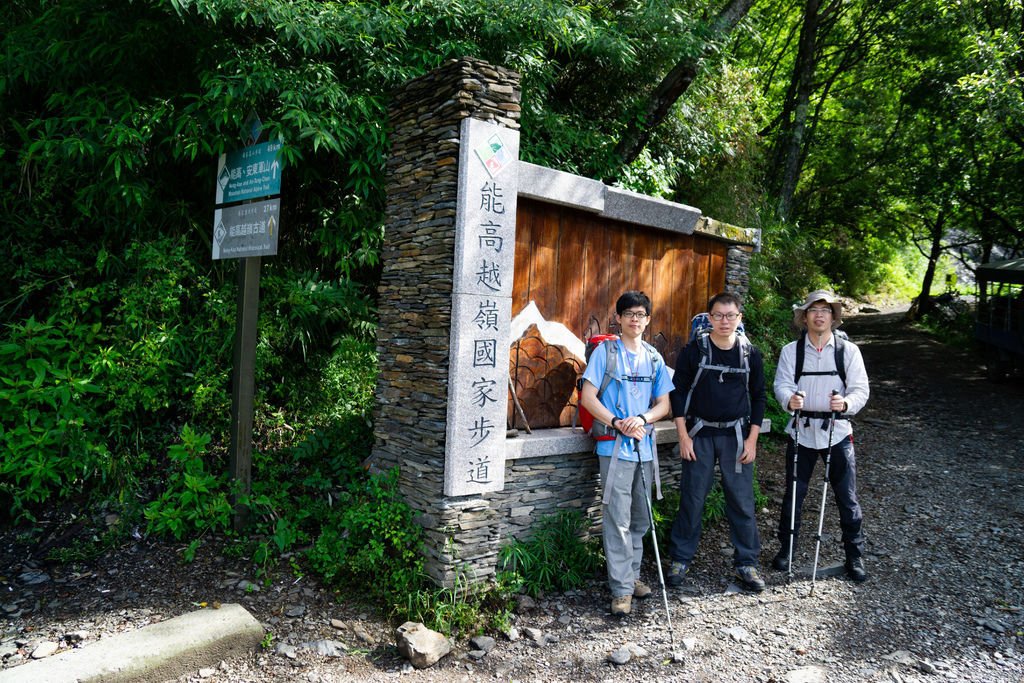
(952, 323)
(301, 466)
(558, 555)
(134, 345)
(196, 500)
(371, 541)
(53, 445)
(174, 332)
(452, 611)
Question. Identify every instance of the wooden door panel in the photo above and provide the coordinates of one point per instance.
(574, 265)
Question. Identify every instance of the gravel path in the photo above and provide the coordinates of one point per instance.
(941, 480)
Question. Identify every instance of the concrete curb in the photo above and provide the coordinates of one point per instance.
(157, 652)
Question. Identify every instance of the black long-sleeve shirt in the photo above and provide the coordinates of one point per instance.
(714, 400)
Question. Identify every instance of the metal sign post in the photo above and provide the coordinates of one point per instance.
(243, 382)
(246, 231)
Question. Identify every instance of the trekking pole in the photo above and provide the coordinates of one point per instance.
(657, 555)
(792, 508)
(824, 495)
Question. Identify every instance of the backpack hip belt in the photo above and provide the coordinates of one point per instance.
(821, 415)
(738, 423)
(704, 344)
(602, 432)
(649, 429)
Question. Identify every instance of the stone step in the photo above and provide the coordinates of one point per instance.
(156, 652)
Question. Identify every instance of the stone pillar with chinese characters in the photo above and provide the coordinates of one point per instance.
(481, 309)
(444, 308)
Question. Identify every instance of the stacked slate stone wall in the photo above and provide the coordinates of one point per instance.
(539, 487)
(416, 299)
(737, 271)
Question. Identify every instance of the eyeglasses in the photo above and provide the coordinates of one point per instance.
(818, 310)
(718, 317)
(633, 315)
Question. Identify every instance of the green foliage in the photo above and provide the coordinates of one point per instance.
(296, 482)
(308, 311)
(461, 610)
(52, 446)
(714, 504)
(372, 542)
(558, 555)
(196, 501)
(952, 322)
(172, 330)
(89, 393)
(718, 137)
(83, 550)
(899, 275)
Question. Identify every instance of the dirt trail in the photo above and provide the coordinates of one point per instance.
(940, 456)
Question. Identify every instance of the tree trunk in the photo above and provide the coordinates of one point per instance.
(924, 299)
(676, 83)
(789, 154)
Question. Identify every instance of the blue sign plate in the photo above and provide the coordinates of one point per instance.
(249, 173)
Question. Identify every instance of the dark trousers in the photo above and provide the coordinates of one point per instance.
(842, 475)
(695, 483)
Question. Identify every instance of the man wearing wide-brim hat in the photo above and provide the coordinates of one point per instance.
(821, 379)
(821, 297)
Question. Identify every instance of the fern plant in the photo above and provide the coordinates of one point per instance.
(559, 555)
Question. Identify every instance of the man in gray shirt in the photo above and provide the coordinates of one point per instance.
(822, 374)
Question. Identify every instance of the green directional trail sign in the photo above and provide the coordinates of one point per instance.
(247, 230)
(249, 173)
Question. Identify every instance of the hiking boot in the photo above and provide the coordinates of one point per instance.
(855, 570)
(750, 579)
(781, 560)
(677, 574)
(641, 590)
(622, 605)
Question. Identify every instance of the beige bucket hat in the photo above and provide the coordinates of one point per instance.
(800, 312)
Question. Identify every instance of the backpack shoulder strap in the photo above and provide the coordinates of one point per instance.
(840, 349)
(745, 350)
(611, 360)
(745, 347)
(704, 347)
(704, 344)
(655, 358)
(798, 367)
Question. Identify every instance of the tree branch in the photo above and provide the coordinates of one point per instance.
(677, 82)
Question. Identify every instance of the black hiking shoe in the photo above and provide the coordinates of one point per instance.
(781, 561)
(677, 574)
(749, 579)
(855, 570)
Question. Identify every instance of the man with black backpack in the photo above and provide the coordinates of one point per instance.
(718, 404)
(822, 380)
(625, 406)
